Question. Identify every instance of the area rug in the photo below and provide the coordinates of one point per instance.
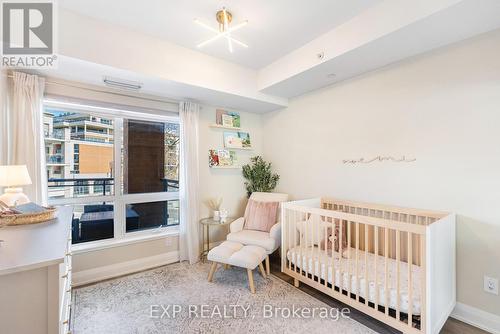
(178, 299)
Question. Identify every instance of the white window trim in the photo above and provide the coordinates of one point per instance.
(91, 246)
(120, 236)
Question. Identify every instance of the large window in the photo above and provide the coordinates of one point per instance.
(121, 174)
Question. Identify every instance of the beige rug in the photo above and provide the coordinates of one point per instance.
(178, 299)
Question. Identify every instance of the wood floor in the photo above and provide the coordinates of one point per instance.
(452, 326)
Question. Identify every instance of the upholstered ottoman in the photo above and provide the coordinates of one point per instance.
(235, 254)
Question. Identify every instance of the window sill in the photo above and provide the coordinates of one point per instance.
(127, 240)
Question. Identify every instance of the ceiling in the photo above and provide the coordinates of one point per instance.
(76, 70)
(275, 27)
(294, 47)
(417, 33)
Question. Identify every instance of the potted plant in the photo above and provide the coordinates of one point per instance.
(259, 176)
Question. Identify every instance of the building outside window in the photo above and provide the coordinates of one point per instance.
(81, 188)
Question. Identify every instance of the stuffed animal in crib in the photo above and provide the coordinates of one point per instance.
(331, 240)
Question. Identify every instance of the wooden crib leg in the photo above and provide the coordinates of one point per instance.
(296, 282)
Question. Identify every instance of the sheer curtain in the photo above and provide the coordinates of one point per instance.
(189, 237)
(22, 135)
(4, 128)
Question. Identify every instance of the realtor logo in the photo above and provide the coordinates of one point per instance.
(28, 34)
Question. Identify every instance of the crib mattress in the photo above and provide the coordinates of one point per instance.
(318, 263)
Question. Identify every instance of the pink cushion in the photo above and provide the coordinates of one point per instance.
(260, 216)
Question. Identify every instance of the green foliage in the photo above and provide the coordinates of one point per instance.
(259, 176)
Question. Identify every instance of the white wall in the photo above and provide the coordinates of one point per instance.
(225, 183)
(442, 108)
(125, 253)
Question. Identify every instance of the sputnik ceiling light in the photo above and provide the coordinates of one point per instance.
(224, 18)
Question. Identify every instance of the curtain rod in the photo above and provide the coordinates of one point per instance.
(10, 76)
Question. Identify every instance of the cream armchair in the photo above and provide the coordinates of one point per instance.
(271, 240)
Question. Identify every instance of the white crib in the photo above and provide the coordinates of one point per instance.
(394, 264)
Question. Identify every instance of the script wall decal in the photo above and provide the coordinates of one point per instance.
(379, 159)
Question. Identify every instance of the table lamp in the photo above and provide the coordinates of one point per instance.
(12, 177)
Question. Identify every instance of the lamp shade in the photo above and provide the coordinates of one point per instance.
(14, 176)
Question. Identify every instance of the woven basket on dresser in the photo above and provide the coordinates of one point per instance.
(28, 218)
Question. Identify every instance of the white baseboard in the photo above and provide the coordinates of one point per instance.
(440, 323)
(477, 318)
(123, 268)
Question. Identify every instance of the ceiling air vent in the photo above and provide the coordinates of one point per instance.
(122, 84)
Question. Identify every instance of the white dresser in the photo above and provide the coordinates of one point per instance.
(35, 277)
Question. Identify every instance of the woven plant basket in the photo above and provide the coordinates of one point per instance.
(28, 218)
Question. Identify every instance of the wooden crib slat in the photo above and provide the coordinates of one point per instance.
(286, 239)
(398, 288)
(325, 271)
(294, 233)
(367, 292)
(310, 246)
(284, 253)
(314, 270)
(423, 282)
(293, 217)
(358, 288)
(316, 250)
(349, 285)
(301, 243)
(305, 266)
(376, 269)
(298, 253)
(306, 249)
(341, 252)
(410, 281)
(309, 243)
(309, 250)
(319, 248)
(386, 271)
(294, 240)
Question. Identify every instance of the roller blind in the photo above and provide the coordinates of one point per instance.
(70, 93)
